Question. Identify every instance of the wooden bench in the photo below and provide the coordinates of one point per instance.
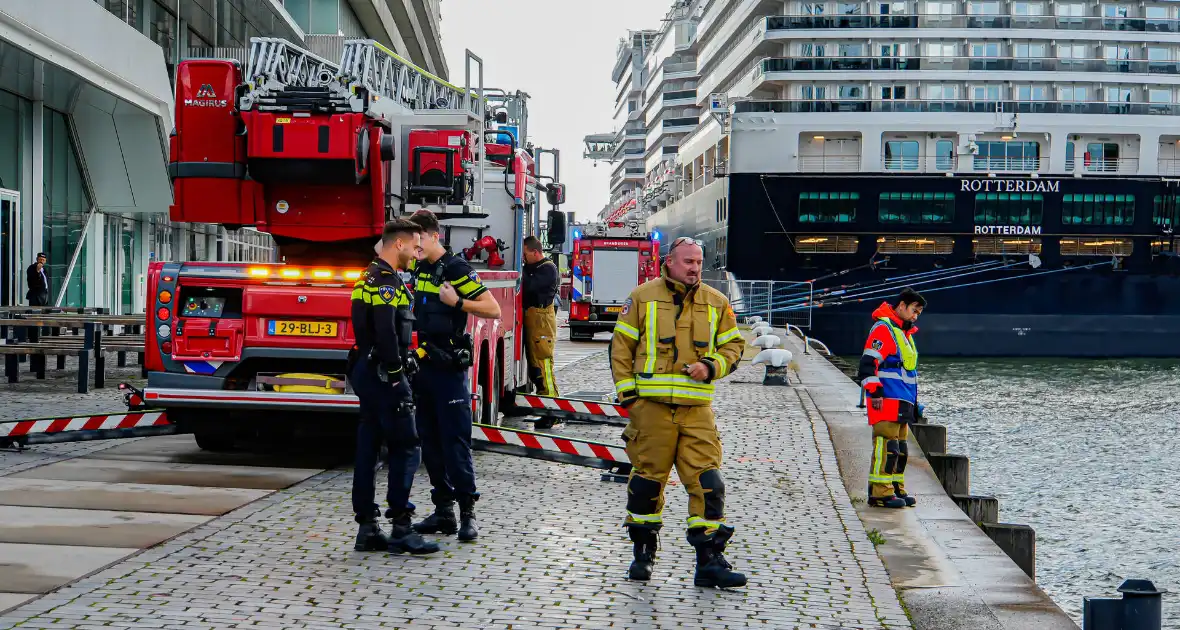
(91, 343)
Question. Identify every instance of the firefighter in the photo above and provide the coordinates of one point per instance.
(446, 290)
(674, 339)
(380, 365)
(889, 375)
(541, 278)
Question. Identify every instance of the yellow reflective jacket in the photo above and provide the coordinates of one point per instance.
(655, 339)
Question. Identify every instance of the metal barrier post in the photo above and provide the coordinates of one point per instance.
(1141, 608)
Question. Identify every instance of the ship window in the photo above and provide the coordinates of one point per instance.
(828, 207)
(916, 208)
(1112, 210)
(902, 155)
(1009, 208)
(1008, 156)
(1167, 211)
(915, 244)
(986, 245)
(826, 244)
(1095, 246)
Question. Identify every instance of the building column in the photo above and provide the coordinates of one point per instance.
(35, 223)
(97, 273)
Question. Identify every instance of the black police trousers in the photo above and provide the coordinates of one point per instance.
(384, 420)
(444, 423)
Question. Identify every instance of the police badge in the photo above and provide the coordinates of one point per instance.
(877, 345)
(386, 294)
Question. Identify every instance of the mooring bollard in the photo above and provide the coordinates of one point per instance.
(1141, 608)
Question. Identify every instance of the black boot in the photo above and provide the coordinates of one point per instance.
(646, 541)
(370, 538)
(403, 538)
(442, 521)
(712, 567)
(467, 528)
(901, 494)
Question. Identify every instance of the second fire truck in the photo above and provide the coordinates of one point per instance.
(607, 261)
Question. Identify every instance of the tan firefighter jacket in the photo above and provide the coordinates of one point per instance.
(655, 339)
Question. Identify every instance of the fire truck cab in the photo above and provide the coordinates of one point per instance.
(608, 260)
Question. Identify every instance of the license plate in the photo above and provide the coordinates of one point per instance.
(287, 328)
(614, 309)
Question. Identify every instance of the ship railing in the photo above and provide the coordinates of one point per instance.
(1168, 167)
(964, 106)
(942, 20)
(780, 303)
(829, 163)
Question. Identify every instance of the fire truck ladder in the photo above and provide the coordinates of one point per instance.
(369, 79)
(139, 422)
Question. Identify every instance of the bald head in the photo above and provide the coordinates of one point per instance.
(684, 262)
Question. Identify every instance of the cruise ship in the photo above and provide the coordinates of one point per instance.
(1015, 161)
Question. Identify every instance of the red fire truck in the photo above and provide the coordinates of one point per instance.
(320, 155)
(608, 260)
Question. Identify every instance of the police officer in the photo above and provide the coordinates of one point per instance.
(540, 320)
(674, 338)
(446, 290)
(379, 367)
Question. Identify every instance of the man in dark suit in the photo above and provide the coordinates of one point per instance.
(38, 283)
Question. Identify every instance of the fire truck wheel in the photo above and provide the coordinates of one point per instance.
(214, 441)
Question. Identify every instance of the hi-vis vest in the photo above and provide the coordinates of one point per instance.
(655, 338)
(898, 371)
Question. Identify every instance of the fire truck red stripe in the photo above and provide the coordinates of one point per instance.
(602, 451)
(95, 422)
(530, 441)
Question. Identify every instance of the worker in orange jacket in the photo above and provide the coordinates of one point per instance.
(889, 376)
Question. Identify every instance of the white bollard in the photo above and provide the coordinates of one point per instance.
(766, 341)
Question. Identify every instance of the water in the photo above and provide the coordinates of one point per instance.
(1086, 452)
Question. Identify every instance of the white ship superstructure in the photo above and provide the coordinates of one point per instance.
(1021, 87)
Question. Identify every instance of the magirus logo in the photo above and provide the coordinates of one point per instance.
(206, 97)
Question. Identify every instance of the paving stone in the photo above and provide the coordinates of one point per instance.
(552, 553)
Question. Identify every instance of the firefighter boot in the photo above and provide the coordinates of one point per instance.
(901, 494)
(646, 541)
(370, 538)
(442, 521)
(403, 538)
(467, 528)
(712, 567)
(887, 502)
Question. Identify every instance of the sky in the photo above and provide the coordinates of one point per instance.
(563, 59)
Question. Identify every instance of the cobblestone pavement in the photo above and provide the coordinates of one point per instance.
(552, 554)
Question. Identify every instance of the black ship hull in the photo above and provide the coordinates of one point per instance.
(1105, 288)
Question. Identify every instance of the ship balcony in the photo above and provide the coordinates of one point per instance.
(943, 21)
(980, 164)
(829, 163)
(1112, 166)
(777, 65)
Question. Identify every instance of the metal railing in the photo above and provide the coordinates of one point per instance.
(1168, 167)
(817, 106)
(779, 303)
(967, 63)
(829, 164)
(1047, 22)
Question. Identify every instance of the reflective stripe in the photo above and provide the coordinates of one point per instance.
(873, 353)
(645, 518)
(677, 385)
(627, 330)
(425, 286)
(899, 478)
(905, 346)
(697, 521)
(624, 385)
(652, 333)
(547, 377)
(875, 475)
(679, 380)
(905, 378)
(712, 330)
(729, 335)
(872, 380)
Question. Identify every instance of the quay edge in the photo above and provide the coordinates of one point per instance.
(947, 571)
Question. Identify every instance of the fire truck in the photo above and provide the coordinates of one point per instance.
(607, 262)
(320, 155)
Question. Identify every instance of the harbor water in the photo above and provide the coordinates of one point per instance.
(1085, 452)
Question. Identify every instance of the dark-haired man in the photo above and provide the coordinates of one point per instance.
(378, 364)
(889, 375)
(540, 280)
(446, 290)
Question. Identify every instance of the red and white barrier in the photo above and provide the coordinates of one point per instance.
(23, 428)
(553, 443)
(572, 408)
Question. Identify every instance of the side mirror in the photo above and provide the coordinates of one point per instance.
(388, 147)
(555, 193)
(556, 235)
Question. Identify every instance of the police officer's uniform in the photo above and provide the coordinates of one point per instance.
(443, 392)
(540, 323)
(378, 365)
(664, 327)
